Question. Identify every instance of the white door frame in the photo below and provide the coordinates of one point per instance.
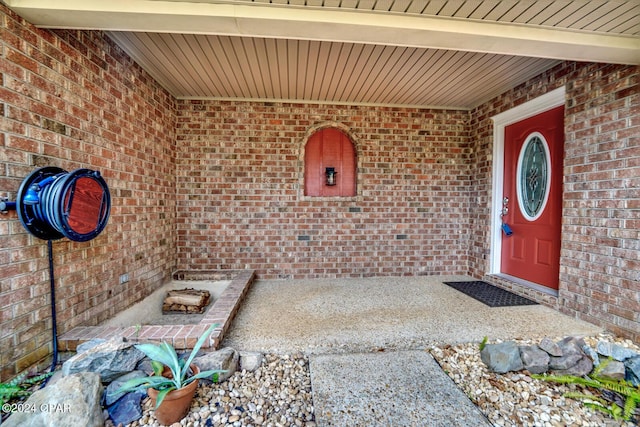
(545, 102)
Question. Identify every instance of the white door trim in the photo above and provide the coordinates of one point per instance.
(545, 102)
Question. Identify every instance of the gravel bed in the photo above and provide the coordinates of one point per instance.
(278, 394)
(516, 399)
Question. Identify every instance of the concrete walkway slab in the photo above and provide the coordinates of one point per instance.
(404, 388)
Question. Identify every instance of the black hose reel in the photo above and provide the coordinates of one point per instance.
(53, 203)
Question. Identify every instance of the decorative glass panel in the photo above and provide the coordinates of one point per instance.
(533, 177)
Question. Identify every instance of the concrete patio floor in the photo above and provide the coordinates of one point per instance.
(366, 341)
(322, 316)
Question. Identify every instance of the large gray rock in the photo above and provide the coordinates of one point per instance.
(615, 351)
(88, 345)
(109, 359)
(550, 347)
(225, 359)
(71, 402)
(583, 367)
(571, 345)
(535, 360)
(633, 370)
(503, 357)
(593, 355)
(127, 409)
(112, 394)
(614, 370)
(564, 362)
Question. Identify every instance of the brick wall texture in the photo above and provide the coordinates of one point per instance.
(75, 100)
(218, 185)
(241, 202)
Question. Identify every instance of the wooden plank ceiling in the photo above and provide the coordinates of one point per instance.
(445, 53)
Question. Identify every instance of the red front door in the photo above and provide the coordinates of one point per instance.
(532, 199)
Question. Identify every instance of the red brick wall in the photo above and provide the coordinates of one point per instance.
(241, 204)
(600, 259)
(73, 99)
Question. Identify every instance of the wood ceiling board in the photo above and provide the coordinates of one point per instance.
(484, 8)
(378, 72)
(551, 9)
(598, 15)
(302, 59)
(401, 6)
(312, 67)
(444, 78)
(399, 63)
(271, 55)
(411, 67)
(416, 7)
(219, 75)
(383, 5)
(434, 7)
(622, 23)
(248, 67)
(562, 15)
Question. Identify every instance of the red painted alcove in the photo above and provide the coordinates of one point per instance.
(329, 147)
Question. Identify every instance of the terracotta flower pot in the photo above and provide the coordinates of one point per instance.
(176, 403)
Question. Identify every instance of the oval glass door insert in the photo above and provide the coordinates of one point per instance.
(533, 176)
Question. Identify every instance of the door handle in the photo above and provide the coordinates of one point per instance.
(505, 210)
(505, 207)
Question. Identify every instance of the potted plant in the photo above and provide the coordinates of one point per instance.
(174, 380)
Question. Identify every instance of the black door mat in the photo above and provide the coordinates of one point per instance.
(490, 295)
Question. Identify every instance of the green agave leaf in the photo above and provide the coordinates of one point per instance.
(162, 394)
(204, 375)
(156, 352)
(157, 367)
(174, 363)
(157, 382)
(199, 343)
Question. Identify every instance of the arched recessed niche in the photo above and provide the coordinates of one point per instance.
(329, 164)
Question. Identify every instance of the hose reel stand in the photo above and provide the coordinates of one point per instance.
(52, 203)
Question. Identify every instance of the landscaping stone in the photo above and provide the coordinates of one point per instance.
(71, 402)
(502, 357)
(571, 345)
(250, 360)
(582, 367)
(226, 359)
(535, 359)
(111, 395)
(633, 370)
(564, 362)
(550, 347)
(81, 348)
(109, 359)
(593, 355)
(576, 358)
(614, 370)
(127, 409)
(615, 351)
